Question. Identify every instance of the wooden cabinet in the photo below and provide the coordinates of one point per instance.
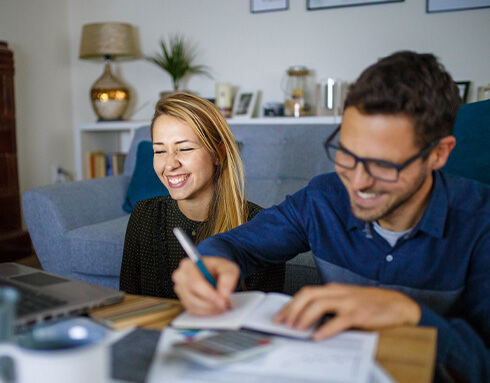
(14, 243)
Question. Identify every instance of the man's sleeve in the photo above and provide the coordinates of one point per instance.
(464, 337)
(275, 235)
(460, 349)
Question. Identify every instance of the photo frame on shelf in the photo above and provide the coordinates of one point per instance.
(464, 87)
(313, 5)
(258, 6)
(245, 103)
(434, 6)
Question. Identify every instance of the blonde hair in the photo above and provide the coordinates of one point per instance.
(228, 207)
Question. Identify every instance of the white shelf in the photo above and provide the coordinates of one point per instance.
(111, 136)
(310, 120)
(129, 125)
(112, 126)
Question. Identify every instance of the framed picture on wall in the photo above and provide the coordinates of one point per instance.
(464, 87)
(312, 5)
(455, 5)
(244, 104)
(257, 6)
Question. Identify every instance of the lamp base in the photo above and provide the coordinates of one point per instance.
(109, 96)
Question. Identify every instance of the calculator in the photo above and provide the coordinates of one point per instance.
(224, 347)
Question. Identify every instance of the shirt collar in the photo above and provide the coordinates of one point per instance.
(434, 219)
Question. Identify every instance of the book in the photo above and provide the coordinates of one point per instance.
(146, 312)
(253, 310)
(100, 164)
(117, 163)
(96, 164)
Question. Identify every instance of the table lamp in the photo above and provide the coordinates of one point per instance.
(108, 41)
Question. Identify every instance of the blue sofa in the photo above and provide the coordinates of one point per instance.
(78, 228)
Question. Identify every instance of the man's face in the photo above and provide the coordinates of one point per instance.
(396, 205)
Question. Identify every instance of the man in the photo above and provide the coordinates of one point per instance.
(396, 241)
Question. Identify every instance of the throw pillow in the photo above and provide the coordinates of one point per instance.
(470, 158)
(144, 182)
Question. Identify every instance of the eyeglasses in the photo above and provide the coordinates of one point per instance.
(379, 169)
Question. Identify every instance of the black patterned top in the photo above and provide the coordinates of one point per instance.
(152, 253)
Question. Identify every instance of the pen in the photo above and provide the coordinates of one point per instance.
(193, 253)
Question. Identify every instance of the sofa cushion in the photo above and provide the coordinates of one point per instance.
(100, 245)
(300, 271)
(144, 182)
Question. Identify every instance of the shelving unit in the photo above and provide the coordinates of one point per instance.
(116, 136)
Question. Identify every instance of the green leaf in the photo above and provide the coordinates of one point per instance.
(177, 59)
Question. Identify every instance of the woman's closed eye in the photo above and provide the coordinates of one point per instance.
(181, 150)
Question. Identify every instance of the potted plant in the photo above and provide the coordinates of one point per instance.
(177, 59)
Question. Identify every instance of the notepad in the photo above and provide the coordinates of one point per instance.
(252, 310)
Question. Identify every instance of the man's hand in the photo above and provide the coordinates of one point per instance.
(368, 308)
(196, 294)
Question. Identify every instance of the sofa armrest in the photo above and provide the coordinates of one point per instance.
(51, 211)
(75, 204)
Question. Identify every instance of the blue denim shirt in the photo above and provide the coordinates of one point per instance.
(443, 264)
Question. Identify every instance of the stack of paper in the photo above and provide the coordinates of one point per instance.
(347, 357)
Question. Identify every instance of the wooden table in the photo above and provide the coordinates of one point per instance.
(406, 353)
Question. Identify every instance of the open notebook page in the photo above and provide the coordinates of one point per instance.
(243, 304)
(252, 310)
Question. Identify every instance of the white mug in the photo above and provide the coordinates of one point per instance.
(53, 357)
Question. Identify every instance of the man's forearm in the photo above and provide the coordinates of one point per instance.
(459, 347)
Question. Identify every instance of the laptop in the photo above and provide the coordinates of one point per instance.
(47, 297)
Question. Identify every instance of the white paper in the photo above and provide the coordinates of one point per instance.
(261, 318)
(252, 310)
(379, 375)
(345, 358)
(230, 320)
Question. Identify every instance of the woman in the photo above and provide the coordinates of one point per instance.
(197, 159)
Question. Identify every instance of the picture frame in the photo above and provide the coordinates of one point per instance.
(259, 6)
(244, 104)
(464, 87)
(435, 6)
(313, 5)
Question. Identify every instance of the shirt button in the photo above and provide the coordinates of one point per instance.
(389, 258)
(193, 232)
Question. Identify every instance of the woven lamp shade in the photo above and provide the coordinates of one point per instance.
(108, 39)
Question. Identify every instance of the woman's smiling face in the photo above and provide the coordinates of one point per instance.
(182, 162)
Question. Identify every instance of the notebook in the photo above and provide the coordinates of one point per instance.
(45, 296)
(253, 310)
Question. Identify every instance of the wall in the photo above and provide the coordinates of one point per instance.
(253, 50)
(37, 33)
(249, 50)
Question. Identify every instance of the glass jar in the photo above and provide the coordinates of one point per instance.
(296, 85)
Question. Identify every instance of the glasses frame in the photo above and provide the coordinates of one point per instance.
(327, 144)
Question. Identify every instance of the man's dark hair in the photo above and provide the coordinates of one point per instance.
(415, 85)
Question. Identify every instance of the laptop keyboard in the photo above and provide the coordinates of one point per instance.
(32, 302)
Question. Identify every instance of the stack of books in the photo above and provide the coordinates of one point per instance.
(100, 164)
(146, 312)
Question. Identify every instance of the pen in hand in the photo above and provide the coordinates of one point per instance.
(193, 253)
